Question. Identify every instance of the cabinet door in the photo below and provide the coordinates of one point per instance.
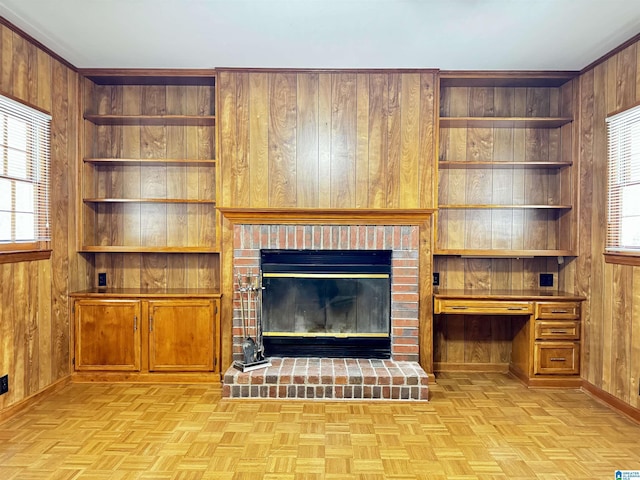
(107, 335)
(181, 334)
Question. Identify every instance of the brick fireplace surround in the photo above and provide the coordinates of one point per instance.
(398, 378)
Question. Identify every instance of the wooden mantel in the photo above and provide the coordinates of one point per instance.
(338, 216)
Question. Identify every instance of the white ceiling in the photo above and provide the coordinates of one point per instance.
(446, 34)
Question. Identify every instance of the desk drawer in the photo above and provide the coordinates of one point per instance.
(556, 358)
(558, 310)
(482, 307)
(557, 330)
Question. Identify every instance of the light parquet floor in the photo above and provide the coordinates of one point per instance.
(476, 426)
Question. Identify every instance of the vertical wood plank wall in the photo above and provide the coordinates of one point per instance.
(34, 318)
(324, 140)
(611, 315)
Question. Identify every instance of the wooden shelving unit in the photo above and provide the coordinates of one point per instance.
(504, 122)
(505, 163)
(157, 120)
(148, 181)
(149, 222)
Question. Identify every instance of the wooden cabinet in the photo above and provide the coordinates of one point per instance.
(147, 179)
(147, 333)
(506, 180)
(107, 334)
(544, 329)
(557, 339)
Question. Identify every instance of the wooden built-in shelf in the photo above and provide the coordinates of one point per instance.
(154, 76)
(504, 122)
(338, 216)
(505, 78)
(148, 200)
(502, 253)
(491, 206)
(145, 249)
(489, 164)
(150, 161)
(147, 292)
(153, 120)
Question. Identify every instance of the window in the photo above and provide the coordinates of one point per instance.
(24, 176)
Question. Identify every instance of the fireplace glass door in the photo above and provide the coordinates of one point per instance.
(326, 303)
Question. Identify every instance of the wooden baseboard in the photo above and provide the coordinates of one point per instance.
(546, 381)
(611, 401)
(16, 408)
(137, 377)
(470, 367)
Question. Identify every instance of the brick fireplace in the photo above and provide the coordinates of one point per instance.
(401, 240)
(399, 377)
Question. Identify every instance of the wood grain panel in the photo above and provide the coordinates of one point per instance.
(378, 135)
(282, 140)
(7, 59)
(226, 88)
(7, 328)
(361, 199)
(243, 145)
(634, 370)
(610, 355)
(343, 140)
(324, 140)
(427, 142)
(63, 168)
(394, 125)
(409, 181)
(307, 140)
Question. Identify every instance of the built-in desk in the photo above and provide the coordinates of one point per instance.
(545, 347)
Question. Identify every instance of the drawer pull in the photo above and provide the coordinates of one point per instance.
(515, 308)
(559, 331)
(557, 359)
(459, 308)
(135, 323)
(559, 311)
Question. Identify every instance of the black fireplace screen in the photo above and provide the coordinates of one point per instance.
(326, 303)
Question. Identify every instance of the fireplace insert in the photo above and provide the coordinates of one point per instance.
(326, 303)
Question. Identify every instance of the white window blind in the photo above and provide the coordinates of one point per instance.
(24, 173)
(623, 220)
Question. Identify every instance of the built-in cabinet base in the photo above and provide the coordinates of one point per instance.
(141, 335)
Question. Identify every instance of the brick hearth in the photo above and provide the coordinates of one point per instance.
(330, 378)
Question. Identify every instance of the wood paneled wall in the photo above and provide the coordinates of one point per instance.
(34, 318)
(611, 316)
(327, 140)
